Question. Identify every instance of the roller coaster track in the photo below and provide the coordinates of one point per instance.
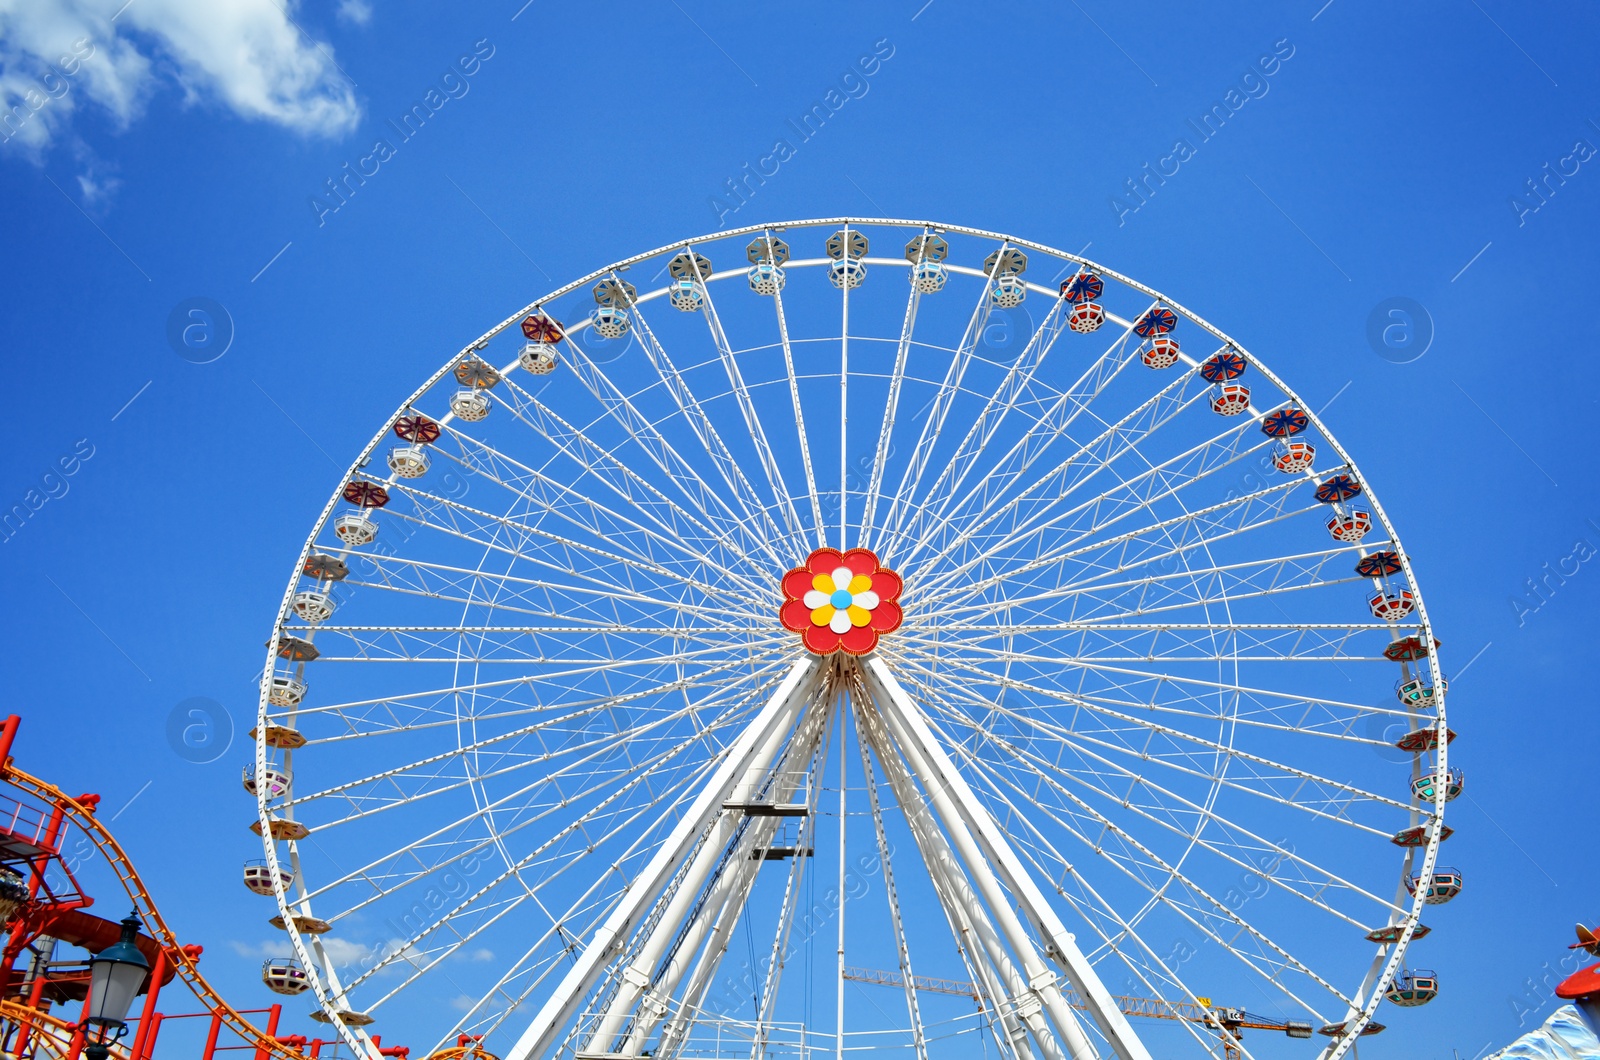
(50, 1036)
(184, 962)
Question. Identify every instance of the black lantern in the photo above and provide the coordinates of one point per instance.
(116, 975)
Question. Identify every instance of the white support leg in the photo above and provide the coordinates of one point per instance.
(924, 748)
(637, 975)
(676, 1027)
(655, 1000)
(1008, 993)
(636, 978)
(1043, 988)
(765, 731)
(778, 956)
(902, 949)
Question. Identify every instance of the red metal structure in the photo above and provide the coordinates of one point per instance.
(1582, 987)
(42, 905)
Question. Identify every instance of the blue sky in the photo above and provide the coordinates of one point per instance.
(1384, 152)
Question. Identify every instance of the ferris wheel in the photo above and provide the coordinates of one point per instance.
(763, 645)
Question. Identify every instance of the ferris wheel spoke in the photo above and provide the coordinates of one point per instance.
(542, 494)
(1109, 604)
(511, 596)
(524, 644)
(1223, 585)
(1149, 642)
(1208, 913)
(670, 517)
(1283, 712)
(891, 411)
(747, 409)
(442, 707)
(1325, 797)
(1165, 541)
(799, 414)
(728, 468)
(482, 462)
(1156, 543)
(1315, 879)
(1054, 423)
(1074, 526)
(647, 435)
(533, 545)
(1293, 716)
(589, 749)
(1108, 601)
(1018, 381)
(1172, 537)
(1070, 530)
(390, 873)
(515, 594)
(1116, 440)
(1128, 735)
(943, 399)
(1299, 713)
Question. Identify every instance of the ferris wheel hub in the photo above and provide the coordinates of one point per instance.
(841, 601)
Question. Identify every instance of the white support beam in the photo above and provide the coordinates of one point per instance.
(676, 1027)
(774, 720)
(655, 999)
(902, 948)
(1036, 992)
(923, 746)
(996, 976)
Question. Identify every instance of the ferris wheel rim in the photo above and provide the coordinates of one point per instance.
(356, 1036)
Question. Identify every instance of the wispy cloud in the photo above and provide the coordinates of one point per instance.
(247, 56)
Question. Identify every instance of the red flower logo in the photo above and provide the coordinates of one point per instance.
(841, 601)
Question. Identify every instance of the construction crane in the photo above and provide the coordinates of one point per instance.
(1233, 1021)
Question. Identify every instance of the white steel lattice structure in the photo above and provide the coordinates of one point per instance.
(574, 745)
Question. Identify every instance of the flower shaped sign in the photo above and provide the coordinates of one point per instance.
(841, 601)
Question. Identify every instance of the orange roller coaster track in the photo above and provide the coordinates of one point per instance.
(81, 812)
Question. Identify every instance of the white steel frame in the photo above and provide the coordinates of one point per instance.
(634, 537)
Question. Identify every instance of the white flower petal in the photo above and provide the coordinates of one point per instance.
(867, 599)
(840, 622)
(814, 599)
(842, 577)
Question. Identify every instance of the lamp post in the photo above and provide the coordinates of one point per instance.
(115, 975)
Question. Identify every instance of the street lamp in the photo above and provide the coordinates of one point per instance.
(115, 975)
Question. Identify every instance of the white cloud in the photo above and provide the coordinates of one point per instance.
(247, 55)
(343, 952)
(463, 1002)
(348, 955)
(96, 185)
(356, 11)
(280, 948)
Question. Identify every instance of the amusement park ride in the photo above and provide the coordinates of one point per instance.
(43, 909)
(1078, 642)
